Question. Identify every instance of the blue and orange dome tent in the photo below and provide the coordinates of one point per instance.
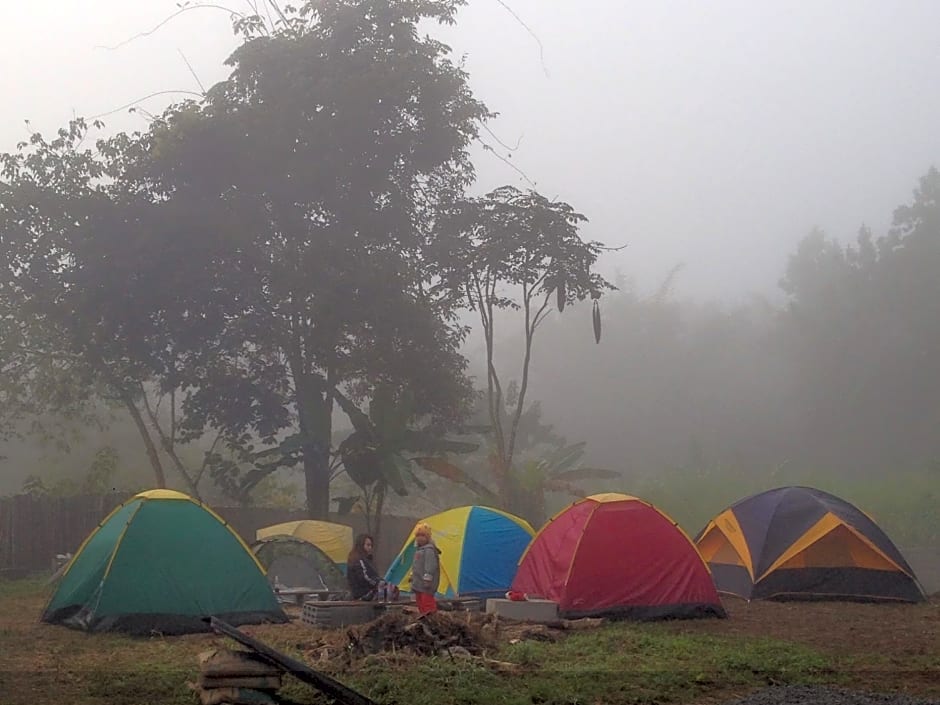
(802, 543)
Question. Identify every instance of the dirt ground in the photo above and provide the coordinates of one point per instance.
(880, 645)
(872, 647)
(901, 633)
(905, 638)
(898, 631)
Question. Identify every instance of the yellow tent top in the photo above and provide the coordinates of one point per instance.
(335, 540)
(163, 494)
(612, 497)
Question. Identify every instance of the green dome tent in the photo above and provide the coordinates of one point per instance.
(296, 563)
(162, 562)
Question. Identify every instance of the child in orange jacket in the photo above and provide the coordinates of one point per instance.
(425, 570)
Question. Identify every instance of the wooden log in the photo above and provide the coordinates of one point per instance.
(254, 682)
(228, 663)
(235, 696)
(576, 624)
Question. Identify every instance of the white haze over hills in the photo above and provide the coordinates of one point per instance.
(712, 135)
(709, 135)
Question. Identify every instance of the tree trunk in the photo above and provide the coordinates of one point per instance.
(316, 424)
(504, 481)
(527, 503)
(317, 479)
(379, 508)
(152, 453)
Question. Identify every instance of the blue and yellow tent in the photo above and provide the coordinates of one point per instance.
(480, 550)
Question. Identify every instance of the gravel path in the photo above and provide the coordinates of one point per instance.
(820, 695)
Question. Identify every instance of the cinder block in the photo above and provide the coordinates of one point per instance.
(462, 604)
(524, 611)
(327, 615)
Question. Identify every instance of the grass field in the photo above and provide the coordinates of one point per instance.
(888, 648)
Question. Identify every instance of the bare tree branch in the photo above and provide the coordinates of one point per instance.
(205, 458)
(277, 9)
(500, 142)
(192, 71)
(529, 30)
(504, 160)
(200, 6)
(141, 100)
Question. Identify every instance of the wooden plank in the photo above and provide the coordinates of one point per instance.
(322, 682)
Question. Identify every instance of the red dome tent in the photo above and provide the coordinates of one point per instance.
(618, 556)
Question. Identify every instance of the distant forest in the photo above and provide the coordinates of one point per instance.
(844, 379)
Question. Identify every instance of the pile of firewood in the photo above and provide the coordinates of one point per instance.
(433, 635)
(236, 678)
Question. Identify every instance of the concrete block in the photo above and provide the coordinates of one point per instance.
(525, 611)
(461, 604)
(326, 615)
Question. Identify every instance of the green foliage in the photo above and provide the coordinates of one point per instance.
(545, 463)
(383, 445)
(52, 360)
(862, 322)
(510, 238)
(252, 251)
(380, 452)
(557, 472)
(84, 311)
(518, 251)
(308, 194)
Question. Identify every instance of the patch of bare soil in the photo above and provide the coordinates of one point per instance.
(894, 630)
(881, 646)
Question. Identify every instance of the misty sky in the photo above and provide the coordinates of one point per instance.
(714, 134)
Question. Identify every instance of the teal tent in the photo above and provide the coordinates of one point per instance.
(161, 563)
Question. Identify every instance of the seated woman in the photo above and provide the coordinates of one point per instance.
(361, 576)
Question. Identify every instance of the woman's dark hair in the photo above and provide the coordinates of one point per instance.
(359, 548)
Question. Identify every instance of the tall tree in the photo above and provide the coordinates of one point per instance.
(84, 320)
(305, 186)
(518, 251)
(862, 320)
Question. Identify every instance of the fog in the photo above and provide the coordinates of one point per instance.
(712, 135)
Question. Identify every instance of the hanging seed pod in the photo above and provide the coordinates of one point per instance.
(597, 322)
(560, 291)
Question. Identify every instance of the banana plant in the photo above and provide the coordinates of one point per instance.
(558, 472)
(383, 449)
(524, 488)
